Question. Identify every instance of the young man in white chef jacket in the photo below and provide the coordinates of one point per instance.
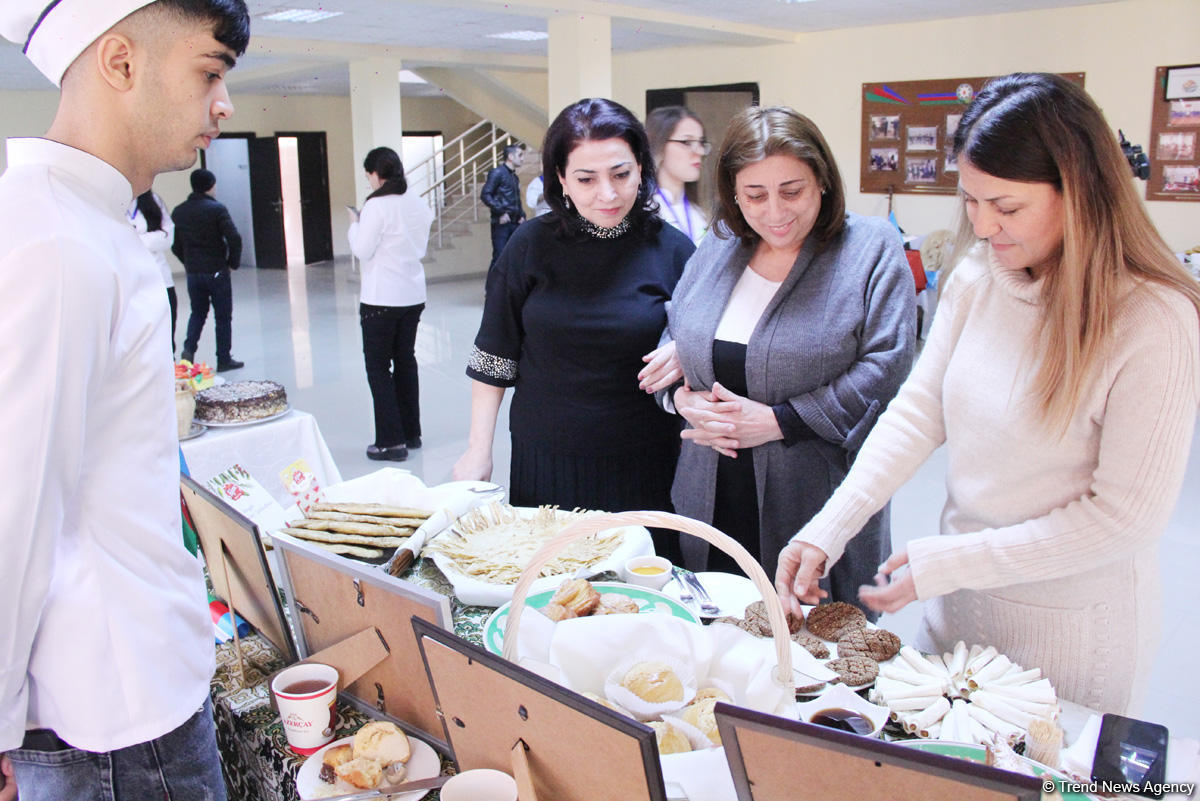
(106, 647)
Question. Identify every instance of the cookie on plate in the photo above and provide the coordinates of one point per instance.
(756, 615)
(854, 671)
(830, 621)
(813, 645)
(877, 644)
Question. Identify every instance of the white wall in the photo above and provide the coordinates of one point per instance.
(1117, 45)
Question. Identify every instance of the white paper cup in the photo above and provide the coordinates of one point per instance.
(655, 580)
(307, 698)
(483, 784)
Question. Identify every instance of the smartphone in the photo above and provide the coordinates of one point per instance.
(1131, 751)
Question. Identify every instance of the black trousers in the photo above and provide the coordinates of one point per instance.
(173, 299)
(500, 235)
(215, 289)
(389, 340)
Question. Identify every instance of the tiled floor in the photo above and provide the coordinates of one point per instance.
(301, 328)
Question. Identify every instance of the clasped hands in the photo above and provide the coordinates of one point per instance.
(801, 566)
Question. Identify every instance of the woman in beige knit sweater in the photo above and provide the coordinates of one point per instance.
(1063, 375)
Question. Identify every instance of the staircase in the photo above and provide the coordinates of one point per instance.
(460, 241)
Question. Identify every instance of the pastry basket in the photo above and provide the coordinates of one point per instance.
(588, 526)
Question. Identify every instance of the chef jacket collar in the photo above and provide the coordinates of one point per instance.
(110, 189)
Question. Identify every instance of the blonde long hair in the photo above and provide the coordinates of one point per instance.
(1042, 128)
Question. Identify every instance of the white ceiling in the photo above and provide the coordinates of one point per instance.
(303, 58)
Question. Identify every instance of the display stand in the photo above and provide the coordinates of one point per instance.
(558, 745)
(237, 566)
(355, 617)
(776, 759)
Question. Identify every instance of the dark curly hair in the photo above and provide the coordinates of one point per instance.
(595, 119)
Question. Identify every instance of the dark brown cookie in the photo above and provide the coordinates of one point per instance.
(756, 615)
(877, 644)
(854, 671)
(810, 689)
(811, 644)
(830, 621)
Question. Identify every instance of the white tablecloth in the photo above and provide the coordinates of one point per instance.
(263, 450)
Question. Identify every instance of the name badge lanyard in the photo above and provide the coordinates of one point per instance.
(686, 213)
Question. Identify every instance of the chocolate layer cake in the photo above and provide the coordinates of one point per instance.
(240, 401)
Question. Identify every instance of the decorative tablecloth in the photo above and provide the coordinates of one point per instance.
(264, 450)
(255, 757)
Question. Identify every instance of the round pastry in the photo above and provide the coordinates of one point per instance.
(334, 757)
(701, 716)
(240, 401)
(854, 670)
(714, 693)
(653, 682)
(612, 603)
(670, 739)
(363, 772)
(577, 595)
(813, 645)
(602, 701)
(382, 741)
(877, 644)
(556, 612)
(830, 621)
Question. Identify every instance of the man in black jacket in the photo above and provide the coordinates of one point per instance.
(209, 245)
(502, 194)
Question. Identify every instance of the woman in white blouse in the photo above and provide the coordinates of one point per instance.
(389, 237)
(678, 144)
(150, 219)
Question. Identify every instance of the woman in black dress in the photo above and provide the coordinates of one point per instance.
(574, 301)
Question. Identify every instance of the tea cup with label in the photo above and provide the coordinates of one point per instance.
(306, 695)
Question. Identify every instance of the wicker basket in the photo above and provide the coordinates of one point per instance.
(591, 525)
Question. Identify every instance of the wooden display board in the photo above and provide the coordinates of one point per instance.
(558, 745)
(237, 564)
(908, 129)
(1174, 146)
(776, 759)
(356, 617)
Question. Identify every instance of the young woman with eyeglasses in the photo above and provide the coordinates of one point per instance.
(678, 144)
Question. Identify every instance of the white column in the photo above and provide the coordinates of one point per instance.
(374, 112)
(580, 59)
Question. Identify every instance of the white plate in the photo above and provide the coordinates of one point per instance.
(196, 430)
(731, 592)
(423, 764)
(240, 423)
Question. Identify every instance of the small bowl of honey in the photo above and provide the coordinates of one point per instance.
(648, 571)
(842, 709)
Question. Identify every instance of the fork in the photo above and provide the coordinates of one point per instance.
(686, 595)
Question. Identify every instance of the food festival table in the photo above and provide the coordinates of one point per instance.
(264, 450)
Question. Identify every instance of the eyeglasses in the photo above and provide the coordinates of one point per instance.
(701, 146)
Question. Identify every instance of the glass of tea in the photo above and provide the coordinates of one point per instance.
(306, 695)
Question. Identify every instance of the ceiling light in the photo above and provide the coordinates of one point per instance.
(408, 76)
(301, 15)
(521, 36)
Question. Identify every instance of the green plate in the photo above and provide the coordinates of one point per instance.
(648, 601)
(978, 753)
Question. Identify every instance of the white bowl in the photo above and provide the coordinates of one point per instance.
(838, 696)
(656, 580)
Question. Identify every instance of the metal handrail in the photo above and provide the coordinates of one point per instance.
(468, 166)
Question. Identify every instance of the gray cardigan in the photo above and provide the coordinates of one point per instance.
(835, 343)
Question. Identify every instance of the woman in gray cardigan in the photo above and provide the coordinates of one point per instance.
(794, 326)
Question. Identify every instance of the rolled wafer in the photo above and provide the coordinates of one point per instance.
(1040, 691)
(889, 688)
(1008, 731)
(996, 667)
(933, 732)
(1017, 676)
(980, 660)
(913, 658)
(344, 539)
(934, 712)
(380, 509)
(1001, 708)
(958, 659)
(911, 704)
(903, 673)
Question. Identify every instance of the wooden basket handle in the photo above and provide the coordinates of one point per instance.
(594, 524)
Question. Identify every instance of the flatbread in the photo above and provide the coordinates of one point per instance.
(380, 509)
(345, 539)
(378, 519)
(364, 529)
(351, 550)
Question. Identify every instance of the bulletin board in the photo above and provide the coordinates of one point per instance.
(908, 129)
(1174, 146)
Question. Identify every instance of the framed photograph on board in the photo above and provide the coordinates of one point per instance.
(1183, 83)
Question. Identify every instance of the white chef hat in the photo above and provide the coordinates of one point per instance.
(54, 32)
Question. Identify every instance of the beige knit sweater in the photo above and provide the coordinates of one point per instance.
(1047, 549)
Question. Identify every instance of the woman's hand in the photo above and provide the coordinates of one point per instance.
(662, 369)
(705, 415)
(800, 568)
(890, 596)
(751, 424)
(8, 780)
(474, 465)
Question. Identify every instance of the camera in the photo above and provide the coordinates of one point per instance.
(1139, 162)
